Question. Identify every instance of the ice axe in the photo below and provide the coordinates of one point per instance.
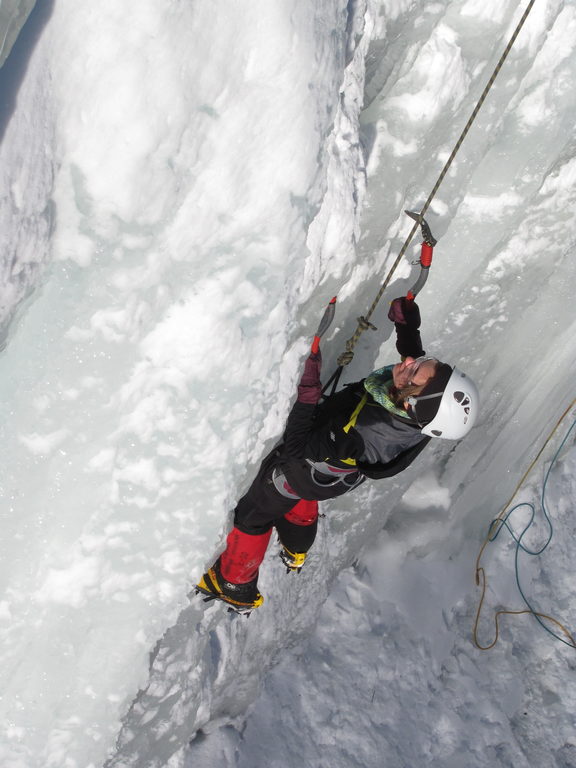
(327, 318)
(425, 254)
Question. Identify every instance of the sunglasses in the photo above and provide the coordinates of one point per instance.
(415, 366)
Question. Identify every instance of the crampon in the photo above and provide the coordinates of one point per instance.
(292, 560)
(240, 598)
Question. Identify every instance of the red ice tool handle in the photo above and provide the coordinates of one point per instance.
(327, 318)
(426, 254)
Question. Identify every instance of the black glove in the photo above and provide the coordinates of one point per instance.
(405, 315)
(405, 312)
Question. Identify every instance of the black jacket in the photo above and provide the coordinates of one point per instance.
(381, 444)
(317, 433)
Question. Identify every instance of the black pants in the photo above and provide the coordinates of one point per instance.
(263, 506)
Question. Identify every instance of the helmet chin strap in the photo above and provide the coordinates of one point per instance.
(411, 411)
(413, 402)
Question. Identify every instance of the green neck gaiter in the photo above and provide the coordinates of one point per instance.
(378, 384)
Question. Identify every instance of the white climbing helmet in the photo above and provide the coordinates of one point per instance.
(458, 409)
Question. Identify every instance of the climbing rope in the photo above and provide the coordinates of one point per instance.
(364, 321)
(502, 522)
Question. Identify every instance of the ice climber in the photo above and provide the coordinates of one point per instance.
(373, 429)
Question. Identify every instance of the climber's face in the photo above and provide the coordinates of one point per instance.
(414, 372)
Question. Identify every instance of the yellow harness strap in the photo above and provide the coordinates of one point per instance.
(352, 423)
(355, 414)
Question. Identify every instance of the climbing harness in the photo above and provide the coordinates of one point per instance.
(501, 522)
(282, 485)
(364, 321)
(324, 475)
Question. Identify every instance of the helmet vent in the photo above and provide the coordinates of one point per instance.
(463, 400)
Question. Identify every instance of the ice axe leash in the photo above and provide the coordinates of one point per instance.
(426, 253)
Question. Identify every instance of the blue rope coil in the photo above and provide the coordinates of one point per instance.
(499, 523)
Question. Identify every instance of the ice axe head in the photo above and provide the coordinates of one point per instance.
(327, 318)
(426, 233)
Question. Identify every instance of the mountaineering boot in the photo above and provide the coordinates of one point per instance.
(242, 598)
(234, 576)
(297, 531)
(292, 560)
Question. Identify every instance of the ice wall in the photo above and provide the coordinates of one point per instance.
(186, 184)
(13, 16)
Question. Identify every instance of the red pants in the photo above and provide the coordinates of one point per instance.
(244, 552)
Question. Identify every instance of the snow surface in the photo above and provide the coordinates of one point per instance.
(183, 189)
